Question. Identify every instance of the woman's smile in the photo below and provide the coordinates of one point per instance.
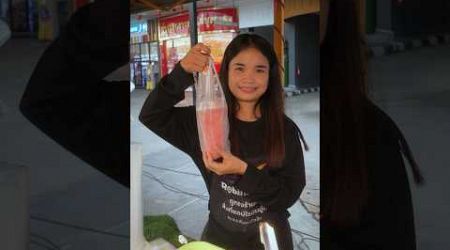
(247, 89)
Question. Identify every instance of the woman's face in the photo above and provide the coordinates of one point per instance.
(248, 75)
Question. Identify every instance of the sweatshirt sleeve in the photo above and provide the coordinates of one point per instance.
(67, 99)
(176, 125)
(278, 189)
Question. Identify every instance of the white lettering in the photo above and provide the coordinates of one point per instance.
(245, 213)
(245, 204)
(232, 190)
(254, 220)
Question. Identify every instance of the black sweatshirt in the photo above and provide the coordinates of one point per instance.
(68, 99)
(236, 204)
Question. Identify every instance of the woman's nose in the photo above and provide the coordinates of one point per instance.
(248, 76)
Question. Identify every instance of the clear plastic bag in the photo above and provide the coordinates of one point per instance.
(212, 111)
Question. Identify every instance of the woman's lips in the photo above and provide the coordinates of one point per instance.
(247, 90)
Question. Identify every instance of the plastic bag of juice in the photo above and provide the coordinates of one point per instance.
(212, 111)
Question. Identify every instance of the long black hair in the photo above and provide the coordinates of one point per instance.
(271, 102)
(344, 157)
(345, 122)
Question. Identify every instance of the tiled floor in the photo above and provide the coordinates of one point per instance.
(414, 89)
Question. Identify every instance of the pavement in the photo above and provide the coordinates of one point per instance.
(383, 44)
(70, 204)
(73, 206)
(414, 89)
(172, 183)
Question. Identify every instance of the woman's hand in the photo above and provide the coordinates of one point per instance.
(230, 164)
(196, 59)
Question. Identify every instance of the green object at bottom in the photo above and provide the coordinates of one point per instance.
(165, 227)
(199, 245)
(162, 226)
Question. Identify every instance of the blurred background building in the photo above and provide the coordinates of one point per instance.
(42, 19)
(160, 35)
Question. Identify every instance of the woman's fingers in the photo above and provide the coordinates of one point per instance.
(214, 164)
(230, 164)
(200, 60)
(211, 164)
(223, 153)
(207, 159)
(226, 156)
(204, 157)
(202, 48)
(196, 59)
(199, 67)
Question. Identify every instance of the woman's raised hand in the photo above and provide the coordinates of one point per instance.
(196, 60)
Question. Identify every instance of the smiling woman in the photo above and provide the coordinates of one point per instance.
(263, 174)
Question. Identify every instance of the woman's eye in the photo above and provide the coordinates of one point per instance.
(239, 69)
(260, 70)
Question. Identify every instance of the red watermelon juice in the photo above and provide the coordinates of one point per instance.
(211, 123)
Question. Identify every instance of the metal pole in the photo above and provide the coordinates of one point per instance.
(194, 35)
(278, 35)
(193, 23)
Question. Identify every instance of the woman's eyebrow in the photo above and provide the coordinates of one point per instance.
(259, 66)
(239, 64)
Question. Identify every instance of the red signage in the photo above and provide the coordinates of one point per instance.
(217, 19)
(163, 59)
(174, 26)
(207, 20)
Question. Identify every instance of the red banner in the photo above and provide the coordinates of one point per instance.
(174, 26)
(217, 19)
(207, 20)
(163, 58)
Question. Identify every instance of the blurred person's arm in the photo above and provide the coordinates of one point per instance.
(66, 97)
(5, 32)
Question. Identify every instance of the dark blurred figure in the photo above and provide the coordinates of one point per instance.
(365, 195)
(5, 32)
(69, 100)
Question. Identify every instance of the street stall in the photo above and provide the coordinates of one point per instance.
(216, 28)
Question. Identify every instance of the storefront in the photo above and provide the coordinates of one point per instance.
(174, 40)
(41, 18)
(144, 57)
(216, 28)
(156, 45)
(20, 14)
